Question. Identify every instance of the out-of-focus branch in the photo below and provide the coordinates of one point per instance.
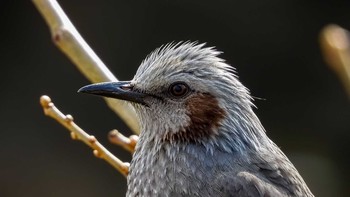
(335, 43)
(67, 38)
(79, 134)
(128, 143)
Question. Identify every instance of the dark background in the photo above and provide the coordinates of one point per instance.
(273, 44)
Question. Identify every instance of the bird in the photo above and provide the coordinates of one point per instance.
(199, 134)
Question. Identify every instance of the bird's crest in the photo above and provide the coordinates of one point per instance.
(176, 54)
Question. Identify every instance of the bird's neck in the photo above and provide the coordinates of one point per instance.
(239, 131)
(244, 130)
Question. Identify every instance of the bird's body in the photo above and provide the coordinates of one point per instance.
(191, 171)
(199, 134)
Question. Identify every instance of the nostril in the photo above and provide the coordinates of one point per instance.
(127, 87)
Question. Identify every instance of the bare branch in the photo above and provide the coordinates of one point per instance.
(335, 43)
(79, 134)
(67, 38)
(119, 139)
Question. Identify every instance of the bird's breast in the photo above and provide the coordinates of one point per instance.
(171, 171)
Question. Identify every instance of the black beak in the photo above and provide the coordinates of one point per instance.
(120, 90)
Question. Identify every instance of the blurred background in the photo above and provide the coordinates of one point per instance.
(273, 44)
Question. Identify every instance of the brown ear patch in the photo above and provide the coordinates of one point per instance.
(205, 117)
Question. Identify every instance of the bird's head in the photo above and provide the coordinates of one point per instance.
(185, 93)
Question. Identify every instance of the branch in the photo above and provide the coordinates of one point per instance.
(67, 38)
(119, 139)
(335, 44)
(79, 134)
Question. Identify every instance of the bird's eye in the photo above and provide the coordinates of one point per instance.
(178, 89)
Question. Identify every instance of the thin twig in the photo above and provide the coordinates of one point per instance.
(67, 38)
(79, 134)
(128, 143)
(335, 43)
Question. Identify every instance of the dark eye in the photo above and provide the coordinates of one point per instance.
(178, 89)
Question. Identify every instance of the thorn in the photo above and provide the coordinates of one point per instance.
(73, 136)
(126, 167)
(92, 139)
(133, 140)
(57, 36)
(113, 133)
(337, 37)
(97, 154)
(127, 164)
(69, 118)
(45, 101)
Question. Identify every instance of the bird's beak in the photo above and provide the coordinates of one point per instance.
(120, 90)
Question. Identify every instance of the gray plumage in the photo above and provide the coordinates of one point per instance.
(207, 141)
